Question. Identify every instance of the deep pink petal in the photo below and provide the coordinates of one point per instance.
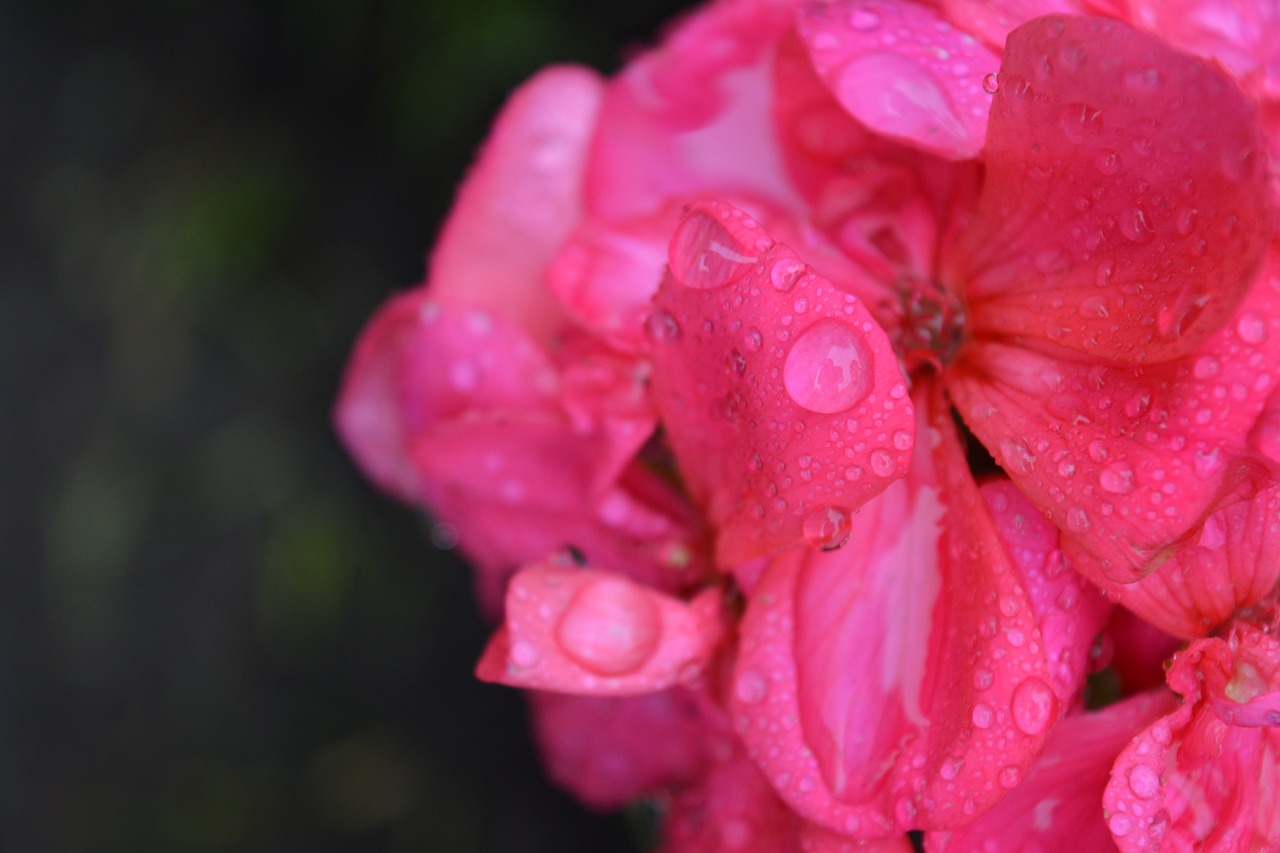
(610, 750)
(1136, 651)
(583, 631)
(1125, 211)
(686, 119)
(992, 20)
(1199, 779)
(922, 721)
(1233, 563)
(522, 199)
(1128, 461)
(903, 71)
(782, 399)
(1058, 806)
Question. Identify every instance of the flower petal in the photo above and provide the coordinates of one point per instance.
(610, 750)
(903, 722)
(1058, 807)
(783, 400)
(1128, 460)
(993, 20)
(1123, 221)
(584, 631)
(903, 71)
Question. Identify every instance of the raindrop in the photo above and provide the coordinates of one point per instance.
(751, 687)
(991, 83)
(704, 254)
(1117, 478)
(983, 716)
(827, 528)
(523, 654)
(1252, 328)
(1120, 825)
(1077, 520)
(882, 463)
(738, 362)
(1034, 706)
(1108, 162)
(786, 272)
(1144, 782)
(610, 627)
(1206, 367)
(830, 368)
(1186, 221)
(983, 678)
(864, 20)
(1135, 225)
(662, 328)
(753, 340)
(903, 440)
(951, 768)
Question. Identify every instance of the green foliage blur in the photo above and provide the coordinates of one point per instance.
(215, 635)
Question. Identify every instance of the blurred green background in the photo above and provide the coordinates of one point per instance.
(216, 636)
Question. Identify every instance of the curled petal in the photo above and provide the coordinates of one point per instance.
(582, 631)
(903, 723)
(1203, 778)
(1129, 460)
(903, 71)
(1058, 806)
(1125, 211)
(610, 750)
(783, 400)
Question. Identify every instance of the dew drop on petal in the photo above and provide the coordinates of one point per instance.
(830, 368)
(827, 528)
(1034, 706)
(1252, 328)
(1077, 520)
(751, 687)
(610, 627)
(1144, 782)
(864, 20)
(785, 272)
(704, 254)
(662, 328)
(983, 716)
(1117, 478)
(1135, 224)
(1120, 824)
(882, 463)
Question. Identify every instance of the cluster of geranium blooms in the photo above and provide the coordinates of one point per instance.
(703, 373)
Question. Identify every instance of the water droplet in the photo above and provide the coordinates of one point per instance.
(1143, 781)
(1017, 458)
(753, 340)
(610, 627)
(738, 363)
(751, 687)
(786, 272)
(1080, 122)
(991, 83)
(1009, 777)
(1135, 225)
(1117, 478)
(827, 528)
(950, 768)
(1077, 519)
(662, 328)
(830, 368)
(864, 20)
(983, 678)
(1252, 328)
(983, 716)
(703, 254)
(1120, 825)
(1138, 405)
(1034, 706)
(1206, 367)
(903, 440)
(1142, 81)
(1108, 162)
(523, 654)
(882, 463)
(1186, 221)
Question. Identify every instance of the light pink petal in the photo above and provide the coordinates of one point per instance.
(1128, 461)
(782, 399)
(688, 118)
(1233, 563)
(419, 363)
(992, 20)
(903, 722)
(1125, 211)
(903, 71)
(522, 199)
(610, 750)
(583, 631)
(1058, 806)
(1199, 779)
(1071, 611)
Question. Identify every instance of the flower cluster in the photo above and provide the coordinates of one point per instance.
(848, 409)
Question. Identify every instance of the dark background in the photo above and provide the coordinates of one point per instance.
(214, 635)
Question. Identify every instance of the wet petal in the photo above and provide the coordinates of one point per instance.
(1128, 461)
(610, 750)
(902, 71)
(1198, 779)
(521, 200)
(919, 722)
(782, 398)
(590, 632)
(1057, 808)
(1123, 221)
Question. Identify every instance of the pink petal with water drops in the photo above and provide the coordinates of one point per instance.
(912, 722)
(591, 632)
(1129, 460)
(1058, 806)
(1231, 565)
(1207, 776)
(521, 200)
(1070, 610)
(419, 363)
(611, 750)
(685, 120)
(1122, 221)
(782, 399)
(903, 71)
(992, 20)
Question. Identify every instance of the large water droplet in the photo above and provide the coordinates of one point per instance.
(830, 368)
(983, 716)
(1136, 225)
(991, 83)
(1034, 706)
(882, 462)
(610, 627)
(1117, 478)
(1252, 328)
(1143, 781)
(703, 254)
(827, 528)
(1120, 825)
(785, 272)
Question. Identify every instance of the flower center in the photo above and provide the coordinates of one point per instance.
(928, 327)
